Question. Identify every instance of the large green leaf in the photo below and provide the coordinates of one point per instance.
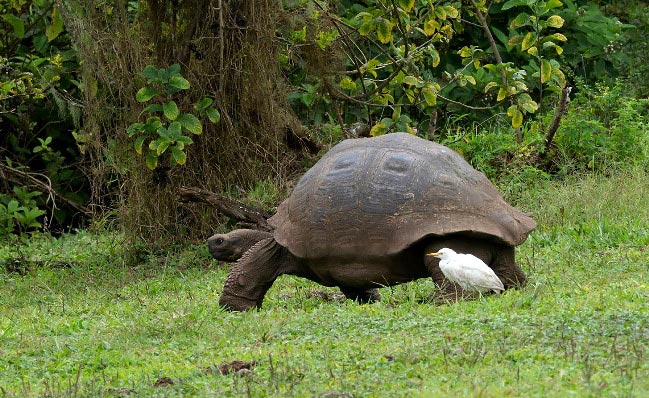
(178, 155)
(406, 5)
(170, 110)
(190, 123)
(555, 21)
(151, 160)
(430, 96)
(384, 30)
(17, 24)
(516, 115)
(514, 3)
(145, 93)
(213, 115)
(139, 142)
(150, 72)
(179, 83)
(546, 70)
(528, 41)
(54, 30)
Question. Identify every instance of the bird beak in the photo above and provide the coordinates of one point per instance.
(436, 254)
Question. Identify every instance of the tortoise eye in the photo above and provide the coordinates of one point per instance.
(219, 241)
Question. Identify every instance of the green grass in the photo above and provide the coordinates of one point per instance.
(101, 328)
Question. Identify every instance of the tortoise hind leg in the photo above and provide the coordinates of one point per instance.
(505, 267)
(362, 296)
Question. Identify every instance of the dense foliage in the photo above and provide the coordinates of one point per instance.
(484, 77)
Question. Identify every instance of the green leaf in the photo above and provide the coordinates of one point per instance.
(546, 70)
(527, 103)
(430, 96)
(191, 123)
(17, 24)
(366, 28)
(54, 30)
(502, 94)
(184, 140)
(178, 82)
(434, 57)
(139, 142)
(514, 3)
(465, 52)
(440, 12)
(410, 80)
(521, 19)
(451, 12)
(533, 51)
(178, 155)
(162, 147)
(152, 108)
(150, 72)
(516, 115)
(557, 48)
(203, 104)
(145, 93)
(174, 131)
(528, 41)
(489, 86)
(550, 4)
(170, 110)
(556, 36)
(213, 115)
(431, 25)
(347, 83)
(381, 127)
(134, 129)
(173, 71)
(151, 160)
(406, 5)
(384, 31)
(555, 21)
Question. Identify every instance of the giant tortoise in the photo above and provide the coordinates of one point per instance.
(365, 215)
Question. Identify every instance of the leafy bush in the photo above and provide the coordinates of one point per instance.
(604, 128)
(39, 107)
(19, 212)
(167, 132)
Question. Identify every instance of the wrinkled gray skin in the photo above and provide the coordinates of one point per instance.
(246, 286)
(232, 246)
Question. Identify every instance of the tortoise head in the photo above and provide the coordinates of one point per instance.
(231, 246)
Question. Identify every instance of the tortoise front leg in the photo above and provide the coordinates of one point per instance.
(252, 276)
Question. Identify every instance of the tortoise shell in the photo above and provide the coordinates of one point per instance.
(377, 196)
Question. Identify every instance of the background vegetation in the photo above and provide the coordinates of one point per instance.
(254, 92)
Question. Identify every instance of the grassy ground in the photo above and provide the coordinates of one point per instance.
(80, 323)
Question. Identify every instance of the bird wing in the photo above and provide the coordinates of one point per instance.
(478, 273)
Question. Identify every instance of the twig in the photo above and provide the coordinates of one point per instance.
(234, 209)
(21, 177)
(562, 107)
(499, 60)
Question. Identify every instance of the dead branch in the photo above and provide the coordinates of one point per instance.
(24, 178)
(562, 107)
(246, 215)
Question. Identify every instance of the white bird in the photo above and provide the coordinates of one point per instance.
(468, 271)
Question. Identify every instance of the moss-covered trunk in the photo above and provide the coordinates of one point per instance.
(227, 51)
